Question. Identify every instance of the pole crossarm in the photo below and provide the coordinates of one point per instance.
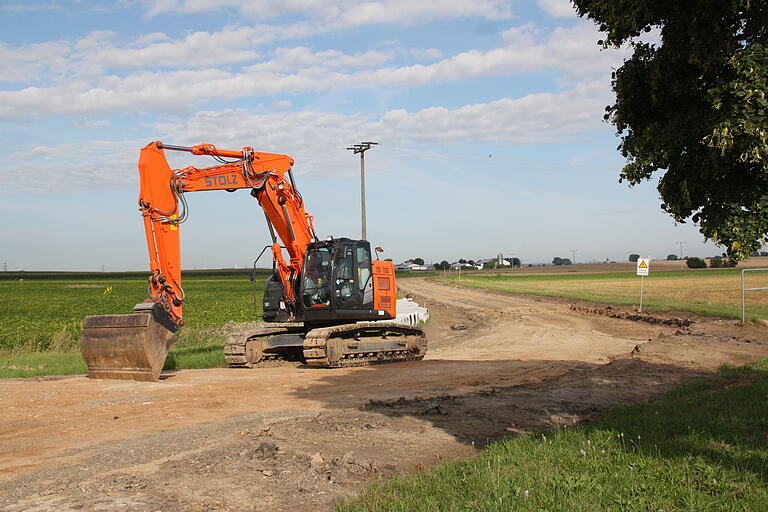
(362, 147)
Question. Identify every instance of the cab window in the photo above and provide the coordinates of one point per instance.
(315, 282)
(345, 273)
(363, 267)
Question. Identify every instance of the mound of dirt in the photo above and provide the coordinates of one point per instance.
(624, 314)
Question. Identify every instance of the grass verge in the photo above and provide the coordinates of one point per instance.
(702, 447)
(15, 363)
(205, 356)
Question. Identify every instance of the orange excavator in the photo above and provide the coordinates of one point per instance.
(330, 305)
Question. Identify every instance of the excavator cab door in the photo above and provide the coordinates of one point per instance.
(352, 283)
(344, 284)
(316, 278)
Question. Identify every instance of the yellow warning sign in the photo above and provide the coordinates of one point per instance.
(643, 266)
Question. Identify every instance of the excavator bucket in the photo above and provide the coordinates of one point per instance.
(127, 347)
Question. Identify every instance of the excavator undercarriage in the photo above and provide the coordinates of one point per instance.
(327, 347)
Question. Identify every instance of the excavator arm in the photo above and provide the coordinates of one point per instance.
(163, 208)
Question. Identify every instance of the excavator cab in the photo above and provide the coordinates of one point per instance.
(336, 284)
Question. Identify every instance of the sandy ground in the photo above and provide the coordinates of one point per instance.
(302, 439)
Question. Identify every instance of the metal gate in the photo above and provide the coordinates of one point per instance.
(745, 290)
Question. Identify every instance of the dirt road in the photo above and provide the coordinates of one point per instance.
(301, 439)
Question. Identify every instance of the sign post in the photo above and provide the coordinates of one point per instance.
(643, 269)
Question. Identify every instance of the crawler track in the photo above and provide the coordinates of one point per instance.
(248, 351)
(327, 347)
(363, 344)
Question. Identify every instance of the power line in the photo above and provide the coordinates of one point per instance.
(573, 256)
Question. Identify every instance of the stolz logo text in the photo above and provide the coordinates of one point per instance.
(221, 181)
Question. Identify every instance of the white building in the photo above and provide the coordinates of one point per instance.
(410, 266)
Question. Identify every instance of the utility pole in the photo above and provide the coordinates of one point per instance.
(573, 254)
(362, 148)
(682, 266)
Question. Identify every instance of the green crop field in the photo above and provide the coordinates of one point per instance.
(41, 316)
(707, 292)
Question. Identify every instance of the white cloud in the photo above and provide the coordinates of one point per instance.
(573, 50)
(426, 53)
(154, 37)
(198, 49)
(558, 8)
(409, 12)
(316, 139)
(92, 123)
(300, 69)
(302, 58)
(262, 8)
(27, 62)
(347, 13)
(69, 167)
(534, 118)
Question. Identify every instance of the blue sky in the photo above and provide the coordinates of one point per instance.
(488, 114)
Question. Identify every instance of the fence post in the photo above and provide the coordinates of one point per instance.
(743, 300)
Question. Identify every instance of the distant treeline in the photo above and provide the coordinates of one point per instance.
(100, 276)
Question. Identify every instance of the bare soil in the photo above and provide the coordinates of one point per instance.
(301, 439)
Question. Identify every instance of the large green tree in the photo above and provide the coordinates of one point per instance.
(694, 106)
